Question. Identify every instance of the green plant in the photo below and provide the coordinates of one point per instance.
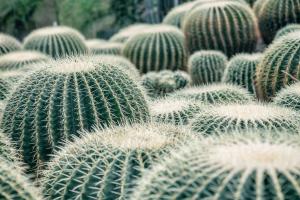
(227, 26)
(99, 47)
(275, 14)
(256, 165)
(206, 67)
(106, 164)
(290, 28)
(13, 76)
(214, 94)
(289, 97)
(237, 117)
(18, 60)
(278, 67)
(7, 152)
(57, 41)
(124, 34)
(159, 84)
(8, 44)
(4, 88)
(156, 48)
(52, 104)
(241, 70)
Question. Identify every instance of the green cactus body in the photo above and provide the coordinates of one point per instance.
(12, 77)
(159, 84)
(124, 34)
(174, 111)
(214, 94)
(278, 67)
(57, 42)
(241, 70)
(52, 104)
(106, 164)
(206, 67)
(236, 117)
(4, 88)
(227, 26)
(99, 47)
(19, 59)
(8, 44)
(157, 48)
(7, 152)
(290, 28)
(289, 97)
(274, 15)
(237, 166)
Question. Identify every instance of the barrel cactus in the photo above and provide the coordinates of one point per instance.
(174, 111)
(227, 26)
(289, 97)
(278, 67)
(241, 70)
(13, 76)
(290, 28)
(214, 94)
(8, 44)
(206, 67)
(102, 47)
(19, 59)
(52, 104)
(57, 41)
(157, 48)
(7, 152)
(256, 165)
(274, 15)
(159, 84)
(106, 164)
(4, 88)
(124, 34)
(237, 117)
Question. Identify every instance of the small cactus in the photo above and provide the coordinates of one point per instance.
(159, 84)
(237, 117)
(278, 67)
(290, 28)
(241, 70)
(157, 48)
(289, 97)
(57, 42)
(174, 111)
(106, 164)
(214, 94)
(227, 26)
(8, 44)
(52, 104)
(99, 47)
(236, 166)
(274, 15)
(206, 67)
(19, 59)
(124, 34)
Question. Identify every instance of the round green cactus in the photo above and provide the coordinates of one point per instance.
(174, 111)
(237, 117)
(100, 47)
(290, 28)
(289, 97)
(106, 164)
(52, 104)
(124, 34)
(274, 15)
(227, 26)
(214, 94)
(206, 67)
(278, 67)
(159, 84)
(19, 59)
(57, 41)
(157, 48)
(256, 165)
(4, 88)
(241, 70)
(8, 44)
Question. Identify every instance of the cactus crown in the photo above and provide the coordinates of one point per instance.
(104, 47)
(290, 28)
(124, 34)
(289, 97)
(8, 44)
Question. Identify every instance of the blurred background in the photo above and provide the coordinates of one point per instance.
(94, 18)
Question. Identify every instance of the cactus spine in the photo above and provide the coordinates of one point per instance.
(7, 152)
(289, 97)
(100, 47)
(290, 28)
(4, 88)
(8, 44)
(124, 34)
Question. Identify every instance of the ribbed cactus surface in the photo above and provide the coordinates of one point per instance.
(100, 47)
(7, 152)
(106, 164)
(4, 88)
(241, 70)
(124, 34)
(289, 97)
(8, 44)
(227, 26)
(57, 41)
(157, 48)
(240, 166)
(290, 28)
(206, 67)
(51, 105)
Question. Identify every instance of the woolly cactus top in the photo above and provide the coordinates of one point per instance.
(53, 30)
(289, 97)
(124, 34)
(167, 105)
(290, 28)
(8, 44)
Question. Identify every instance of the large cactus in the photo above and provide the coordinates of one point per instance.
(228, 26)
(278, 67)
(157, 48)
(57, 41)
(206, 67)
(124, 34)
(8, 44)
(241, 70)
(106, 164)
(290, 28)
(256, 165)
(289, 97)
(52, 104)
(100, 47)
(274, 15)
